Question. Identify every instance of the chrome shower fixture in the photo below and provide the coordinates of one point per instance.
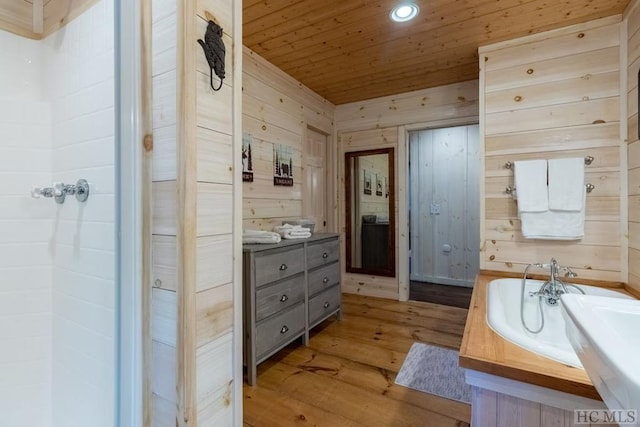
(59, 191)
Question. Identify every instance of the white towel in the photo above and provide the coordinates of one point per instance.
(553, 224)
(531, 184)
(288, 231)
(260, 236)
(566, 184)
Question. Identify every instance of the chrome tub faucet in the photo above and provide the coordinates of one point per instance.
(552, 289)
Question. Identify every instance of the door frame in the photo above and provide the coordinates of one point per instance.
(403, 196)
(129, 219)
(329, 184)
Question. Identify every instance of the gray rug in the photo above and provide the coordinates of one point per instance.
(434, 370)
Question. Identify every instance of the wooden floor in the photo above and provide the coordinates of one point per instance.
(457, 296)
(345, 377)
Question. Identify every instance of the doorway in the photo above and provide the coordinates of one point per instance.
(444, 208)
(314, 204)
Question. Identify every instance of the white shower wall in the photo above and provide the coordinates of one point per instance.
(80, 85)
(75, 250)
(25, 237)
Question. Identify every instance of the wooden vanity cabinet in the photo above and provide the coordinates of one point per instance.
(289, 287)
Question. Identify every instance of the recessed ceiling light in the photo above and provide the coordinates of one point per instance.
(404, 12)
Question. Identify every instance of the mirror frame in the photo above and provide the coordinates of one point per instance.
(390, 271)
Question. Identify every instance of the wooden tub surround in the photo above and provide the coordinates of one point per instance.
(484, 351)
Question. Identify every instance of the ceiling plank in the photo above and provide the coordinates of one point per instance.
(375, 27)
(16, 16)
(393, 55)
(270, 27)
(485, 29)
(38, 16)
(343, 51)
(259, 11)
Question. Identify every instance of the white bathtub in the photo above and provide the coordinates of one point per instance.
(503, 316)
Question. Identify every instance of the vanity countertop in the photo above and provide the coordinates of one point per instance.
(258, 247)
(485, 351)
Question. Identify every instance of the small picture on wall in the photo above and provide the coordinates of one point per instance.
(247, 162)
(367, 182)
(378, 185)
(282, 165)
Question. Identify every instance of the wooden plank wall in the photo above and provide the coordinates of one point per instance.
(498, 409)
(632, 21)
(36, 19)
(384, 287)
(383, 122)
(164, 278)
(552, 95)
(195, 251)
(277, 109)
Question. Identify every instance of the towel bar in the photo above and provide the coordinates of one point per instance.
(587, 161)
(510, 189)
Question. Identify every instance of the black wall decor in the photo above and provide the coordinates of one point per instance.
(214, 51)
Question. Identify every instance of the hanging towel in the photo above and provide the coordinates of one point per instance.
(566, 184)
(531, 184)
(259, 236)
(553, 224)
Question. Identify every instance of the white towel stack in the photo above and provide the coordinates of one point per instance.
(259, 236)
(556, 211)
(288, 231)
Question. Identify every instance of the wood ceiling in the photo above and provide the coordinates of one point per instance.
(349, 50)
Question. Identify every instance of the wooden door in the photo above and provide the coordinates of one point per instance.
(314, 193)
(444, 205)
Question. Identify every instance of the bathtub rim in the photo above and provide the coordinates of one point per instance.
(484, 350)
(509, 333)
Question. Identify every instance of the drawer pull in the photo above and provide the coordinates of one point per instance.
(283, 267)
(325, 280)
(284, 329)
(325, 255)
(283, 298)
(326, 305)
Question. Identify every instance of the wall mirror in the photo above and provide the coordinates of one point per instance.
(370, 212)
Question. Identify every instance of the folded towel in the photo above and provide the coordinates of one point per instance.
(554, 224)
(288, 231)
(566, 184)
(260, 236)
(531, 183)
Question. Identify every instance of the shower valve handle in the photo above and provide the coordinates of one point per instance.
(59, 191)
(36, 192)
(40, 192)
